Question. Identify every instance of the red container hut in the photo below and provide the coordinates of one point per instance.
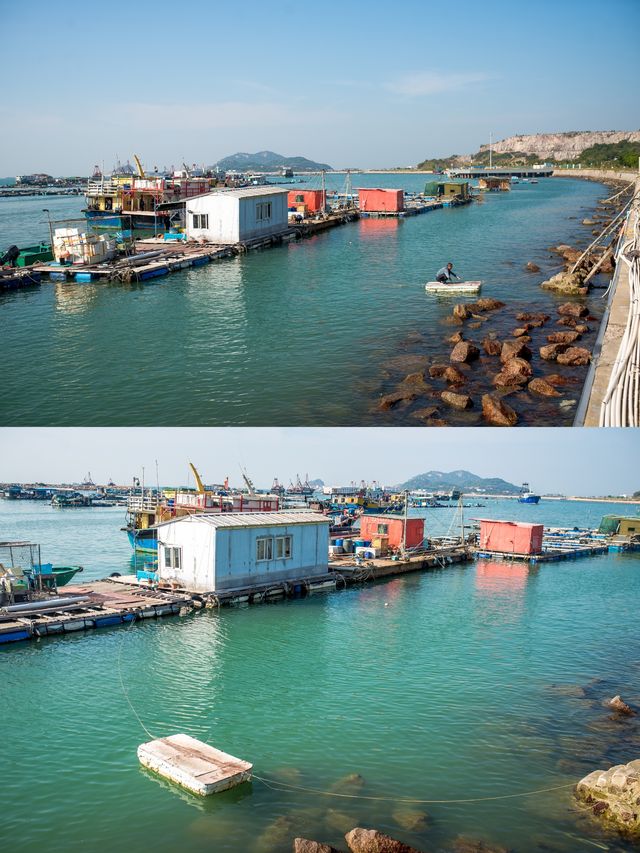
(375, 200)
(510, 537)
(389, 529)
(307, 201)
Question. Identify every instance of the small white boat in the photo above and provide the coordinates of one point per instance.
(453, 287)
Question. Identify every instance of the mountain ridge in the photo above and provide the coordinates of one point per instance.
(269, 161)
(463, 480)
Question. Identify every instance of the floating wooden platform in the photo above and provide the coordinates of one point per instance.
(194, 765)
(549, 555)
(101, 604)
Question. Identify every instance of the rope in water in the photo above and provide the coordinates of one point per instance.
(276, 785)
(285, 786)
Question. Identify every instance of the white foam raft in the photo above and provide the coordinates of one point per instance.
(194, 765)
(453, 287)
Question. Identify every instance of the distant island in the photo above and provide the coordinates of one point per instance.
(603, 148)
(269, 161)
(464, 481)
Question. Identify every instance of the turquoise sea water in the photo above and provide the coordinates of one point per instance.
(470, 682)
(298, 335)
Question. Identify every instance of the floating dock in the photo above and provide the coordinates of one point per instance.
(102, 604)
(568, 551)
(194, 765)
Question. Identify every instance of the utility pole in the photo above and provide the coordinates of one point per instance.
(46, 210)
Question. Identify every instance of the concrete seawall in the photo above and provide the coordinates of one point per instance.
(596, 174)
(612, 328)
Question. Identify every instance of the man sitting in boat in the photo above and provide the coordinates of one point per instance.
(446, 274)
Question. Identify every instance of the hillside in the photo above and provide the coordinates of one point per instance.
(269, 161)
(589, 148)
(465, 481)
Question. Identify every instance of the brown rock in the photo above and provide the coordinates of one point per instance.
(464, 352)
(514, 349)
(415, 382)
(406, 363)
(303, 845)
(476, 325)
(456, 401)
(515, 372)
(572, 309)
(454, 376)
(349, 784)
(563, 337)
(455, 338)
(496, 412)
(460, 311)
(371, 841)
(571, 322)
(532, 267)
(390, 401)
(543, 388)
(413, 820)
(621, 707)
(522, 331)
(550, 352)
(491, 347)
(464, 844)
(574, 356)
(581, 328)
(534, 320)
(426, 414)
(556, 379)
(488, 304)
(436, 371)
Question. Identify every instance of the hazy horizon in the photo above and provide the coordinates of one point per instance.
(418, 86)
(553, 460)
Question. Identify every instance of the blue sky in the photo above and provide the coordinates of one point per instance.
(354, 83)
(570, 461)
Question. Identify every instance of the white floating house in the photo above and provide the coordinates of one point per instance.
(236, 216)
(225, 551)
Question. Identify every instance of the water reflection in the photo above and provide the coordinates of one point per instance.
(73, 298)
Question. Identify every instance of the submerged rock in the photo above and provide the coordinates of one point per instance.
(426, 414)
(371, 841)
(407, 363)
(412, 820)
(563, 337)
(276, 836)
(574, 356)
(543, 388)
(304, 845)
(532, 267)
(436, 371)
(496, 412)
(550, 352)
(515, 372)
(488, 304)
(514, 349)
(621, 707)
(454, 376)
(455, 338)
(464, 352)
(614, 796)
(573, 309)
(521, 331)
(464, 844)
(390, 401)
(350, 784)
(491, 346)
(535, 319)
(556, 379)
(338, 821)
(460, 311)
(568, 283)
(456, 401)
(415, 382)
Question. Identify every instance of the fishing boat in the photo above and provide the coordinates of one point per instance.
(60, 574)
(453, 287)
(526, 496)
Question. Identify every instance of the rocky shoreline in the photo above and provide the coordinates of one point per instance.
(507, 367)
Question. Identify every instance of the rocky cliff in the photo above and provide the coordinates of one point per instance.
(561, 146)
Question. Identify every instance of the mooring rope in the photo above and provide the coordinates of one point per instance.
(124, 690)
(275, 785)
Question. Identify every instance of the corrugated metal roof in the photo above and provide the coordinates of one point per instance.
(251, 519)
(243, 192)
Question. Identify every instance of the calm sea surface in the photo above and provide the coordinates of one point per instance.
(298, 335)
(466, 683)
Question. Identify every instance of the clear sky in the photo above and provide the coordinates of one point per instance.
(569, 461)
(360, 83)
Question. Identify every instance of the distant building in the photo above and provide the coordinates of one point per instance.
(376, 200)
(447, 189)
(210, 553)
(238, 215)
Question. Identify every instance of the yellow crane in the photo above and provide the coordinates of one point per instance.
(199, 483)
(141, 173)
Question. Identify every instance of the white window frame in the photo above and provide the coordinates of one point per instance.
(172, 557)
(200, 221)
(263, 211)
(284, 547)
(264, 546)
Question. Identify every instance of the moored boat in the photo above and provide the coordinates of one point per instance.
(526, 496)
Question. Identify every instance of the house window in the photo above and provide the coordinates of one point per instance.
(383, 528)
(299, 199)
(263, 211)
(200, 220)
(283, 547)
(264, 549)
(172, 557)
